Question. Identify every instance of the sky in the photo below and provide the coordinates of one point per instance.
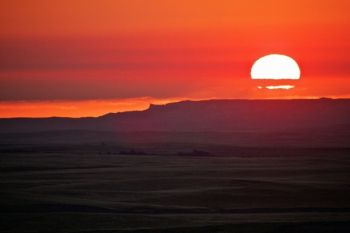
(86, 58)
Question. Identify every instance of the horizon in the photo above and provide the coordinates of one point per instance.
(150, 105)
(85, 58)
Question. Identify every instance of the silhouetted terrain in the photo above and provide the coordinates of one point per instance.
(91, 192)
(310, 123)
(199, 116)
(218, 166)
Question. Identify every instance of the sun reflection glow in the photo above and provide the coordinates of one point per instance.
(283, 87)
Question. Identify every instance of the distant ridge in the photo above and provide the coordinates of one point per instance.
(206, 115)
(320, 123)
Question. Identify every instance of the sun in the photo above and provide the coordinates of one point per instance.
(275, 67)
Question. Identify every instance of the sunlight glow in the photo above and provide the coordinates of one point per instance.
(283, 87)
(275, 66)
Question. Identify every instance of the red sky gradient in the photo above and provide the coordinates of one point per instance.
(87, 58)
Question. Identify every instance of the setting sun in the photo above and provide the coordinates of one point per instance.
(275, 66)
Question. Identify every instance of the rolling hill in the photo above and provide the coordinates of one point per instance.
(242, 122)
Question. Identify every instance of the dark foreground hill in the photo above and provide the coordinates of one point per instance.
(238, 122)
(101, 193)
(190, 167)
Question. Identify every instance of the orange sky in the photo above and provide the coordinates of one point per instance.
(86, 58)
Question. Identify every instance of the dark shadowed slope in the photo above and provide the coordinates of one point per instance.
(87, 192)
(236, 115)
(211, 115)
(310, 123)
